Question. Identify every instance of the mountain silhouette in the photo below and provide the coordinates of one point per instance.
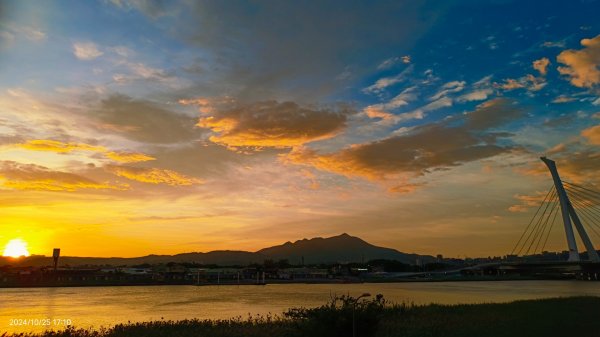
(343, 248)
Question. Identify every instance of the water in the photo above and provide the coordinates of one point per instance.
(106, 306)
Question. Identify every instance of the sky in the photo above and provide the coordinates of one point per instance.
(132, 127)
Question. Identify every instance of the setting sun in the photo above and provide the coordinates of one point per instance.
(16, 248)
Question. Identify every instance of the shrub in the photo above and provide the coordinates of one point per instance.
(336, 318)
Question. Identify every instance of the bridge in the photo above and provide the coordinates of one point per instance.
(579, 207)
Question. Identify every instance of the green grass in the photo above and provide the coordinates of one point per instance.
(573, 316)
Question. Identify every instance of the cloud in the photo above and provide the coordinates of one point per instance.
(34, 177)
(273, 124)
(581, 66)
(592, 134)
(62, 147)
(128, 157)
(580, 167)
(554, 44)
(381, 110)
(426, 148)
(405, 188)
(143, 121)
(528, 82)
(448, 88)
(512, 84)
(153, 175)
(57, 146)
(527, 201)
(563, 99)
(152, 8)
(541, 65)
(86, 50)
(476, 95)
(381, 84)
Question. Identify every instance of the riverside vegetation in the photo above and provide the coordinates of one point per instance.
(572, 316)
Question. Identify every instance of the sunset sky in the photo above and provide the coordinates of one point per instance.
(138, 127)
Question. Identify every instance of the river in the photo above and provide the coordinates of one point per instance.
(105, 306)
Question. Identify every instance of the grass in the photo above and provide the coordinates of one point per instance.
(573, 316)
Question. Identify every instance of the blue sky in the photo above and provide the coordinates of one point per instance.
(414, 124)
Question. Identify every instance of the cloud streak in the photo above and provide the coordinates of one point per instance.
(62, 147)
(19, 176)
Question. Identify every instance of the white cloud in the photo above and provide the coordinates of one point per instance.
(448, 88)
(86, 50)
(382, 83)
(554, 44)
(476, 95)
(381, 110)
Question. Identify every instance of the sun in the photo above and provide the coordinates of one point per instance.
(16, 248)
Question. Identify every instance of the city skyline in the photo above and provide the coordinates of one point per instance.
(139, 127)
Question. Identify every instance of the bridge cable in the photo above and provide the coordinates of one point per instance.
(536, 219)
(583, 188)
(584, 201)
(553, 211)
(531, 221)
(541, 224)
(590, 217)
(551, 226)
(589, 222)
(538, 224)
(587, 209)
(583, 191)
(533, 233)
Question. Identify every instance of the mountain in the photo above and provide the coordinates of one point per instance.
(341, 248)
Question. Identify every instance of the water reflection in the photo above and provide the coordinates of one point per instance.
(105, 306)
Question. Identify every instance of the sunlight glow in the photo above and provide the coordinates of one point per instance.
(16, 248)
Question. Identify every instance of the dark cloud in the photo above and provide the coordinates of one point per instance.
(296, 50)
(273, 124)
(430, 147)
(144, 121)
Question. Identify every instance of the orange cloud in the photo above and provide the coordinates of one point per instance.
(34, 177)
(582, 65)
(375, 111)
(592, 134)
(528, 82)
(58, 147)
(153, 175)
(273, 124)
(128, 157)
(541, 65)
(61, 147)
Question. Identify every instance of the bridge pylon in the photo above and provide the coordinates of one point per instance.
(568, 214)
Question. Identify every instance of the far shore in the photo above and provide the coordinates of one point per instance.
(313, 281)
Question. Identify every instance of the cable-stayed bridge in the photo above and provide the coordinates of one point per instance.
(568, 203)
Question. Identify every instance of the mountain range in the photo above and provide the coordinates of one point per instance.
(342, 248)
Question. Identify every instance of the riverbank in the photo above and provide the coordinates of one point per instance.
(573, 316)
